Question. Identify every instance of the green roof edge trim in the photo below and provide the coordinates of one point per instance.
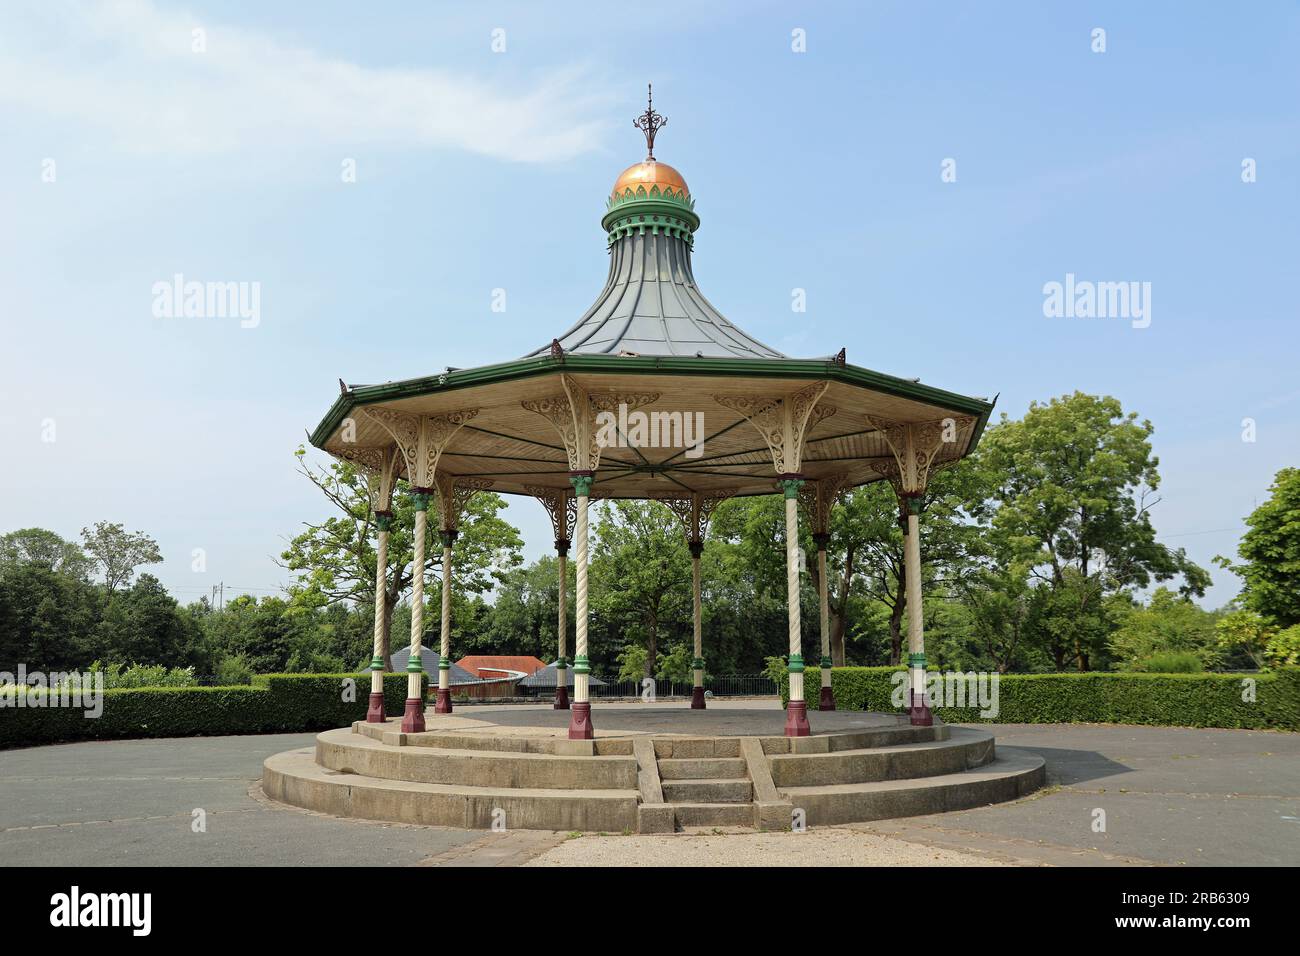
(663, 365)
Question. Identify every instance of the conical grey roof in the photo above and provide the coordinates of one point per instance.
(651, 306)
(546, 678)
(429, 659)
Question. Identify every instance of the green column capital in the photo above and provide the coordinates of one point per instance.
(449, 536)
(561, 664)
(912, 503)
(916, 660)
(415, 665)
(420, 498)
(697, 664)
(376, 663)
(796, 664)
(790, 485)
(580, 665)
(384, 520)
(582, 482)
(825, 662)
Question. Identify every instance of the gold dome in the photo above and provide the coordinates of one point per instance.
(647, 174)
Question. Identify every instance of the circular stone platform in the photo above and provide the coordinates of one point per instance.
(650, 769)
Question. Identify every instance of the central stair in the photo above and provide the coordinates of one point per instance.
(708, 791)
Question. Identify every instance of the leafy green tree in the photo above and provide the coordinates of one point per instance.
(1270, 553)
(1074, 488)
(45, 617)
(676, 666)
(334, 560)
(641, 574)
(45, 549)
(118, 552)
(1168, 624)
(525, 614)
(1265, 643)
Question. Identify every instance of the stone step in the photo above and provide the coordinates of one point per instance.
(701, 768)
(295, 778)
(1013, 774)
(347, 752)
(708, 791)
(714, 814)
(963, 749)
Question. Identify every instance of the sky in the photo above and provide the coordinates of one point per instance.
(379, 171)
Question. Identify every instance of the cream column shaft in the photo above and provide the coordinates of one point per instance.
(915, 639)
(381, 581)
(792, 596)
(581, 670)
(417, 609)
(444, 672)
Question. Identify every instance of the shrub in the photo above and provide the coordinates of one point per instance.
(234, 669)
(1170, 662)
(143, 675)
(1174, 700)
(274, 703)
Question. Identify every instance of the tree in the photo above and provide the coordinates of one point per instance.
(867, 531)
(1265, 643)
(118, 552)
(1072, 500)
(641, 573)
(1270, 553)
(335, 560)
(47, 550)
(525, 614)
(1168, 624)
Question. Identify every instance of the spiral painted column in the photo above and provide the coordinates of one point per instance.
(697, 621)
(413, 718)
(375, 710)
(561, 665)
(796, 713)
(580, 721)
(918, 709)
(827, 701)
(443, 703)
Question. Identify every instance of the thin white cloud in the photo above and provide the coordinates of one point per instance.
(129, 69)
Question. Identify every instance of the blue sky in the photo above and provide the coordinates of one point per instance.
(479, 170)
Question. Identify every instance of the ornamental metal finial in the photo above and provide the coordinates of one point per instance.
(650, 122)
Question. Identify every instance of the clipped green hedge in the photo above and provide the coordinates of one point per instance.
(1171, 700)
(274, 703)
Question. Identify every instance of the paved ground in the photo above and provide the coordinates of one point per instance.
(132, 802)
(832, 846)
(751, 717)
(1170, 795)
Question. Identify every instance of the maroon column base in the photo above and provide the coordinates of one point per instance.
(796, 719)
(580, 721)
(375, 712)
(413, 716)
(697, 698)
(920, 711)
(561, 698)
(828, 700)
(443, 703)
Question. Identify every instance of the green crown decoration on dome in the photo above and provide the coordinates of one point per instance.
(654, 210)
(635, 209)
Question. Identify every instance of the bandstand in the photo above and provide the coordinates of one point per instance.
(561, 425)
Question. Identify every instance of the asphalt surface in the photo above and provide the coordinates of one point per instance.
(1172, 796)
(133, 801)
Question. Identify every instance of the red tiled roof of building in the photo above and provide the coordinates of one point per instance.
(494, 664)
